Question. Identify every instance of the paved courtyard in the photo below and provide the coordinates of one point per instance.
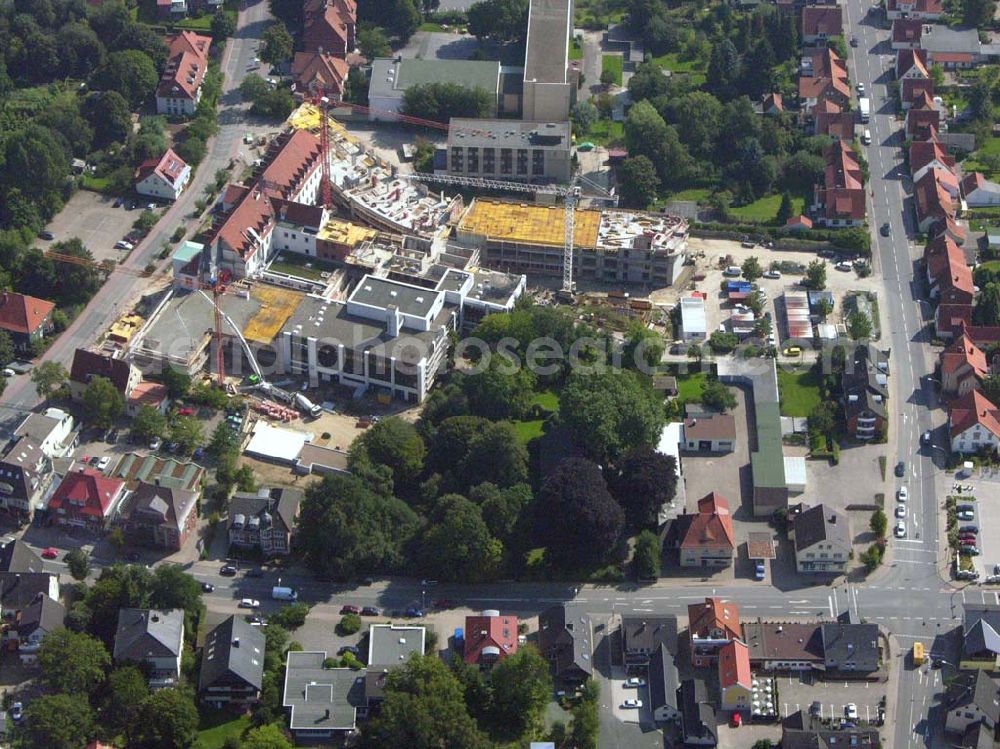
(94, 219)
(798, 692)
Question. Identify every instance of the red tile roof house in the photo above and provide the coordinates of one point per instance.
(915, 90)
(86, 498)
(906, 33)
(912, 63)
(799, 223)
(705, 538)
(926, 155)
(179, 90)
(840, 199)
(933, 201)
(948, 272)
(839, 125)
(924, 9)
(489, 638)
(949, 319)
(735, 680)
(165, 177)
(979, 192)
(950, 228)
(974, 424)
(820, 22)
(823, 76)
(315, 72)
(772, 104)
(963, 367)
(922, 117)
(90, 364)
(151, 394)
(711, 626)
(329, 26)
(26, 318)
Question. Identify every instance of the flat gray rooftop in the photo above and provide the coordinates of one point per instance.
(322, 699)
(508, 134)
(390, 78)
(549, 26)
(390, 645)
(381, 292)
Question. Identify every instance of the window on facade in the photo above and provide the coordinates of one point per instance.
(457, 159)
(506, 160)
(538, 162)
(473, 154)
(522, 161)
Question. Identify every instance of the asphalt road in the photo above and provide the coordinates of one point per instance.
(121, 288)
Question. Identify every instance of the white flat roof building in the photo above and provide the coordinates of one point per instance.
(694, 323)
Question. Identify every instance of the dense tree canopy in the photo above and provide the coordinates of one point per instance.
(439, 102)
(59, 721)
(129, 72)
(169, 720)
(395, 443)
(642, 482)
(457, 544)
(102, 403)
(504, 20)
(73, 662)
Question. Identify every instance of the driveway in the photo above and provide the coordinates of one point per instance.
(93, 218)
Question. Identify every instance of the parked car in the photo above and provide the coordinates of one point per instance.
(227, 570)
(50, 552)
(349, 609)
(816, 708)
(132, 556)
(249, 603)
(851, 711)
(119, 202)
(112, 438)
(8, 372)
(352, 649)
(902, 495)
(255, 572)
(207, 587)
(969, 529)
(884, 229)
(972, 551)
(759, 570)
(17, 712)
(370, 611)
(900, 529)
(103, 463)
(414, 613)
(635, 682)
(443, 603)
(198, 454)
(900, 469)
(632, 704)
(185, 411)
(156, 444)
(772, 274)
(900, 511)
(792, 351)
(925, 438)
(966, 515)
(844, 266)
(46, 235)
(854, 41)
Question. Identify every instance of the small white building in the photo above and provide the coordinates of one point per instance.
(53, 432)
(694, 323)
(163, 178)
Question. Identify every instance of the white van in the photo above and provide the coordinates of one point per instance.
(866, 138)
(279, 593)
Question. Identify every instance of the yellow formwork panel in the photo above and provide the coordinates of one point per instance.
(346, 233)
(529, 223)
(307, 117)
(276, 306)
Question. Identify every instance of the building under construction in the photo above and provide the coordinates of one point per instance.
(609, 246)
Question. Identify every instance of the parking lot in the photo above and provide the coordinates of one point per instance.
(986, 490)
(94, 219)
(798, 692)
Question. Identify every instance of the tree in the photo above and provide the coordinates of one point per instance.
(169, 720)
(643, 482)
(496, 394)
(457, 544)
(129, 72)
(803, 169)
(724, 70)
(394, 443)
(102, 403)
(859, 326)
(48, 377)
(643, 348)
(142, 37)
(582, 522)
(584, 115)
(522, 687)
(647, 555)
(291, 616)
(424, 706)
(59, 721)
(7, 352)
(118, 587)
(266, 737)
(763, 327)
(78, 562)
(586, 722)
(502, 20)
(224, 25)
(610, 412)
(187, 431)
(978, 12)
(277, 44)
(126, 692)
(816, 275)
(346, 529)
(639, 181)
(108, 114)
(716, 395)
(786, 210)
(501, 508)
(647, 82)
(758, 70)
(722, 342)
(372, 43)
(879, 523)
(987, 309)
(751, 269)
(193, 149)
(441, 101)
(72, 662)
(176, 381)
(991, 388)
(647, 134)
(608, 77)
(495, 455)
(149, 423)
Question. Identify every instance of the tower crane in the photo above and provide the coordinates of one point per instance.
(571, 195)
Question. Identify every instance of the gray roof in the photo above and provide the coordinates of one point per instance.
(866, 381)
(857, 643)
(17, 556)
(978, 736)
(278, 503)
(938, 37)
(550, 23)
(508, 134)
(18, 590)
(234, 650)
(978, 690)
(383, 293)
(783, 641)
(37, 426)
(565, 637)
(663, 679)
(698, 717)
(392, 644)
(821, 523)
(45, 613)
(149, 633)
(160, 505)
(321, 699)
(650, 632)
(391, 77)
(981, 628)
(801, 731)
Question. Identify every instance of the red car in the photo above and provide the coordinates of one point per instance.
(186, 411)
(443, 603)
(50, 552)
(348, 609)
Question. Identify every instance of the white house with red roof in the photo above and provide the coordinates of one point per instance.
(179, 90)
(979, 192)
(963, 367)
(927, 10)
(974, 424)
(164, 178)
(735, 680)
(489, 637)
(711, 626)
(705, 538)
(86, 498)
(26, 318)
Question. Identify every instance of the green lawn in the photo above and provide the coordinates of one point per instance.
(547, 400)
(689, 386)
(528, 430)
(296, 265)
(428, 26)
(613, 63)
(97, 184)
(765, 209)
(693, 68)
(196, 24)
(800, 392)
(216, 726)
(697, 194)
(576, 50)
(604, 132)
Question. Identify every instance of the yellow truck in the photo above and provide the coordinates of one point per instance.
(919, 656)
